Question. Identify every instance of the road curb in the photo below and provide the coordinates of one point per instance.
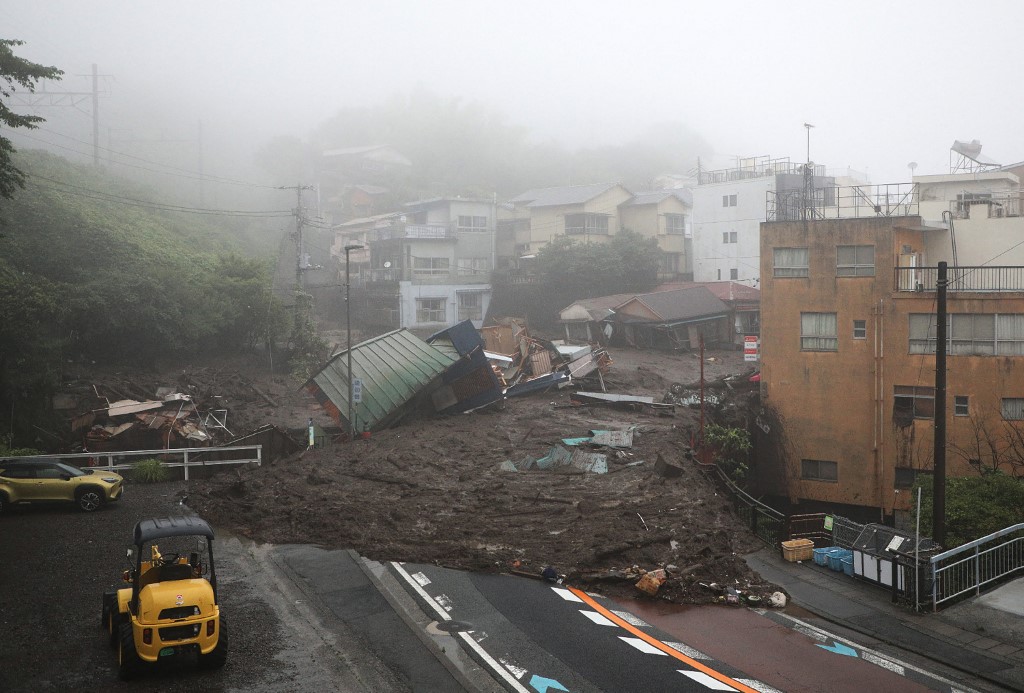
(393, 593)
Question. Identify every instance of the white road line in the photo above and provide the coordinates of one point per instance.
(884, 663)
(566, 595)
(758, 686)
(466, 637)
(599, 619)
(687, 650)
(631, 619)
(643, 646)
(705, 680)
(879, 656)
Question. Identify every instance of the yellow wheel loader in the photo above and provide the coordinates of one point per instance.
(170, 607)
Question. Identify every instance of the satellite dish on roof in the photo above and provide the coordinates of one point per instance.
(387, 264)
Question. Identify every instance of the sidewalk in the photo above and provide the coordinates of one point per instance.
(983, 636)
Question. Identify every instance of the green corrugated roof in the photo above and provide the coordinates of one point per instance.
(394, 367)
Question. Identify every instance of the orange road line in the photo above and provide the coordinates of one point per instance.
(651, 640)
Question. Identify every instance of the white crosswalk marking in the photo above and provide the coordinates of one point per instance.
(599, 619)
(758, 686)
(421, 579)
(643, 646)
(566, 595)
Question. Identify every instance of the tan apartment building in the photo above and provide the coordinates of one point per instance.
(848, 360)
(595, 213)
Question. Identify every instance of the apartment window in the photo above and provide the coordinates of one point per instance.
(430, 310)
(905, 477)
(471, 223)
(580, 224)
(473, 266)
(1010, 335)
(734, 274)
(675, 224)
(860, 329)
(818, 332)
(428, 266)
(728, 237)
(669, 263)
(728, 200)
(819, 470)
(470, 305)
(1013, 408)
(960, 407)
(789, 262)
(855, 261)
(972, 334)
(719, 275)
(914, 402)
(922, 333)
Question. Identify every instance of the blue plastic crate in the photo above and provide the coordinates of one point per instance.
(835, 559)
(821, 555)
(848, 564)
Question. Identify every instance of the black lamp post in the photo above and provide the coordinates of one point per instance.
(348, 330)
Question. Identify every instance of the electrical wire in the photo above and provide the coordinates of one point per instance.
(181, 173)
(71, 189)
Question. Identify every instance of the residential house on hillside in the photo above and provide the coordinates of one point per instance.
(744, 304)
(664, 215)
(588, 321)
(595, 213)
(676, 320)
(351, 180)
(426, 268)
(588, 212)
(849, 313)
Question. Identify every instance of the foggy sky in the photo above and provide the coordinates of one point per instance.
(884, 83)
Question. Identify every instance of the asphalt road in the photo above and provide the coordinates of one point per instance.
(300, 619)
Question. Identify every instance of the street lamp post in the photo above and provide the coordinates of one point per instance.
(348, 331)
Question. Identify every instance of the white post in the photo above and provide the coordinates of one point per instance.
(186, 465)
(917, 548)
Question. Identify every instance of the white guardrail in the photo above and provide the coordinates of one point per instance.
(970, 567)
(114, 461)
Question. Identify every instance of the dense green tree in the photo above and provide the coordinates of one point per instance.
(87, 274)
(16, 72)
(571, 269)
(975, 506)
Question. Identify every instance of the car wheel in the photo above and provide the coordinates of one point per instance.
(219, 655)
(89, 499)
(128, 663)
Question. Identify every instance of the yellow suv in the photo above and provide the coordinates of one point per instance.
(48, 480)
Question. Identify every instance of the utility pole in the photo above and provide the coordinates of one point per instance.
(939, 455)
(73, 99)
(299, 220)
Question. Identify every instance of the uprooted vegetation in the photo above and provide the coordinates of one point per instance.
(435, 490)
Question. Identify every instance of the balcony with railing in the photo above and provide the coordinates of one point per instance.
(402, 230)
(962, 278)
(843, 202)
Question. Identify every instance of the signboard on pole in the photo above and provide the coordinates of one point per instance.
(751, 346)
(357, 390)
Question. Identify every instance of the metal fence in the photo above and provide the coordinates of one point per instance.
(766, 523)
(967, 569)
(961, 278)
(843, 202)
(177, 457)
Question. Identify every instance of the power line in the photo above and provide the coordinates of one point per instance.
(161, 206)
(184, 173)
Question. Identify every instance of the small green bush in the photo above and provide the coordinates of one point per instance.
(150, 471)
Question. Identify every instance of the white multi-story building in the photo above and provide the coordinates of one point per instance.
(728, 208)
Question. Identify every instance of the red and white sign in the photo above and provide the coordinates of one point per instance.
(751, 346)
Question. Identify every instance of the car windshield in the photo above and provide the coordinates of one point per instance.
(68, 469)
